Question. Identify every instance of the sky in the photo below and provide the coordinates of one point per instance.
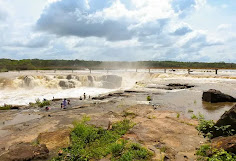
(119, 30)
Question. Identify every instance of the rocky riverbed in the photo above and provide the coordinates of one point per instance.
(163, 124)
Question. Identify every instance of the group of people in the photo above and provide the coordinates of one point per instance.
(66, 102)
(84, 97)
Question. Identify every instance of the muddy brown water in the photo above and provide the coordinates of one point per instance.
(186, 100)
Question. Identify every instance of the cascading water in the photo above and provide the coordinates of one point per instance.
(22, 88)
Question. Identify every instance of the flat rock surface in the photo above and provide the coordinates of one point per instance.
(25, 152)
(56, 139)
(163, 130)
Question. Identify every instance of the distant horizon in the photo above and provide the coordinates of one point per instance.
(124, 60)
(119, 30)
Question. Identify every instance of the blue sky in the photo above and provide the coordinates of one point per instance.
(125, 30)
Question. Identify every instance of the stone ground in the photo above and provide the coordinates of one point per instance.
(158, 130)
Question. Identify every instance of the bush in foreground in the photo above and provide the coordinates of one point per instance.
(92, 143)
(206, 153)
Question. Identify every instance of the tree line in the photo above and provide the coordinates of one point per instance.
(38, 64)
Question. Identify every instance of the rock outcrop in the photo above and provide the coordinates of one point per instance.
(228, 118)
(26, 152)
(67, 84)
(226, 143)
(215, 96)
(69, 77)
(171, 86)
(55, 139)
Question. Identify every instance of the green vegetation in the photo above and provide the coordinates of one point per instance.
(6, 107)
(125, 151)
(127, 114)
(193, 116)
(178, 115)
(163, 149)
(37, 64)
(40, 103)
(149, 98)
(92, 143)
(206, 127)
(206, 153)
(190, 111)
(225, 130)
(198, 117)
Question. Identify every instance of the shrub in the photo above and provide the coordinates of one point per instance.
(149, 98)
(193, 116)
(40, 103)
(127, 114)
(225, 130)
(117, 148)
(178, 115)
(190, 111)
(205, 152)
(199, 117)
(5, 107)
(133, 151)
(89, 142)
(205, 127)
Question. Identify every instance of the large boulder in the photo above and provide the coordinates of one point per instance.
(215, 96)
(111, 81)
(67, 84)
(227, 119)
(69, 77)
(55, 139)
(26, 152)
(226, 143)
(28, 81)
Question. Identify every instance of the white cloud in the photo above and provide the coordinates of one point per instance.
(224, 27)
(114, 30)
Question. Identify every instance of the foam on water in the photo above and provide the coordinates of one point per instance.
(17, 89)
(24, 96)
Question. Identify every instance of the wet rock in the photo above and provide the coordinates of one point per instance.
(111, 81)
(118, 94)
(179, 86)
(26, 152)
(215, 96)
(55, 139)
(28, 80)
(57, 99)
(228, 118)
(71, 84)
(69, 77)
(101, 97)
(67, 84)
(62, 84)
(226, 143)
(134, 91)
(171, 86)
(90, 78)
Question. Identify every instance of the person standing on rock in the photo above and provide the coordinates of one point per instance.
(84, 96)
(64, 103)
